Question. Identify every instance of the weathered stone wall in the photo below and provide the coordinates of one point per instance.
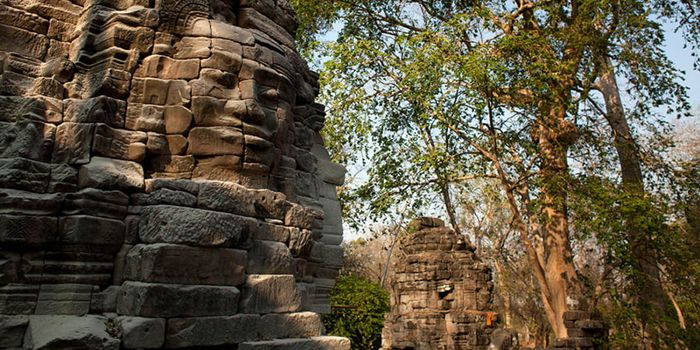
(442, 293)
(162, 178)
(586, 331)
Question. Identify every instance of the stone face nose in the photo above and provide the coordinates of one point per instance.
(163, 183)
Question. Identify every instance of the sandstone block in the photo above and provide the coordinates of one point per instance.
(141, 333)
(101, 109)
(63, 332)
(227, 31)
(212, 141)
(160, 92)
(220, 168)
(237, 199)
(145, 118)
(27, 139)
(301, 217)
(64, 299)
(23, 42)
(47, 87)
(264, 294)
(229, 61)
(176, 119)
(106, 173)
(157, 66)
(211, 331)
(172, 300)
(18, 299)
(192, 47)
(105, 300)
(175, 185)
(22, 229)
(301, 242)
(24, 174)
(269, 258)
(315, 343)
(209, 111)
(12, 330)
(9, 267)
(217, 84)
(64, 178)
(250, 18)
(305, 185)
(73, 142)
(166, 144)
(92, 230)
(272, 232)
(333, 256)
(169, 263)
(165, 196)
(12, 83)
(90, 201)
(295, 325)
(23, 19)
(170, 164)
(169, 224)
(24, 202)
(259, 151)
(120, 144)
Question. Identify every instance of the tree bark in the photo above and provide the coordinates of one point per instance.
(508, 323)
(562, 280)
(648, 282)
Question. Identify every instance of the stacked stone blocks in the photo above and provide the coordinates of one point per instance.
(442, 292)
(163, 183)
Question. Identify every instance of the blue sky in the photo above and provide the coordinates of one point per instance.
(684, 61)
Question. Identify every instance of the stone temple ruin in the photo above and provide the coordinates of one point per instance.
(442, 293)
(163, 183)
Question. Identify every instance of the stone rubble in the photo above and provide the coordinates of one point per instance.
(163, 182)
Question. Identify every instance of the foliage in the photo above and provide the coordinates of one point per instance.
(429, 95)
(358, 312)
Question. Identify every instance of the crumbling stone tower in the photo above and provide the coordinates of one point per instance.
(442, 293)
(163, 183)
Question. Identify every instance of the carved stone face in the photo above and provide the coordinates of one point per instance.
(216, 99)
(109, 109)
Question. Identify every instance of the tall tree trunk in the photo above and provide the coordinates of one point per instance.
(563, 285)
(648, 282)
(508, 323)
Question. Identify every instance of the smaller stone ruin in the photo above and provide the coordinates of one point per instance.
(441, 295)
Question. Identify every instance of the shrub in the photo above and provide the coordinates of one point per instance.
(358, 308)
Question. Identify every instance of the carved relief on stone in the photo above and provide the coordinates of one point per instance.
(161, 160)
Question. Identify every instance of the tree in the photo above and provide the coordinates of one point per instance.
(497, 91)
